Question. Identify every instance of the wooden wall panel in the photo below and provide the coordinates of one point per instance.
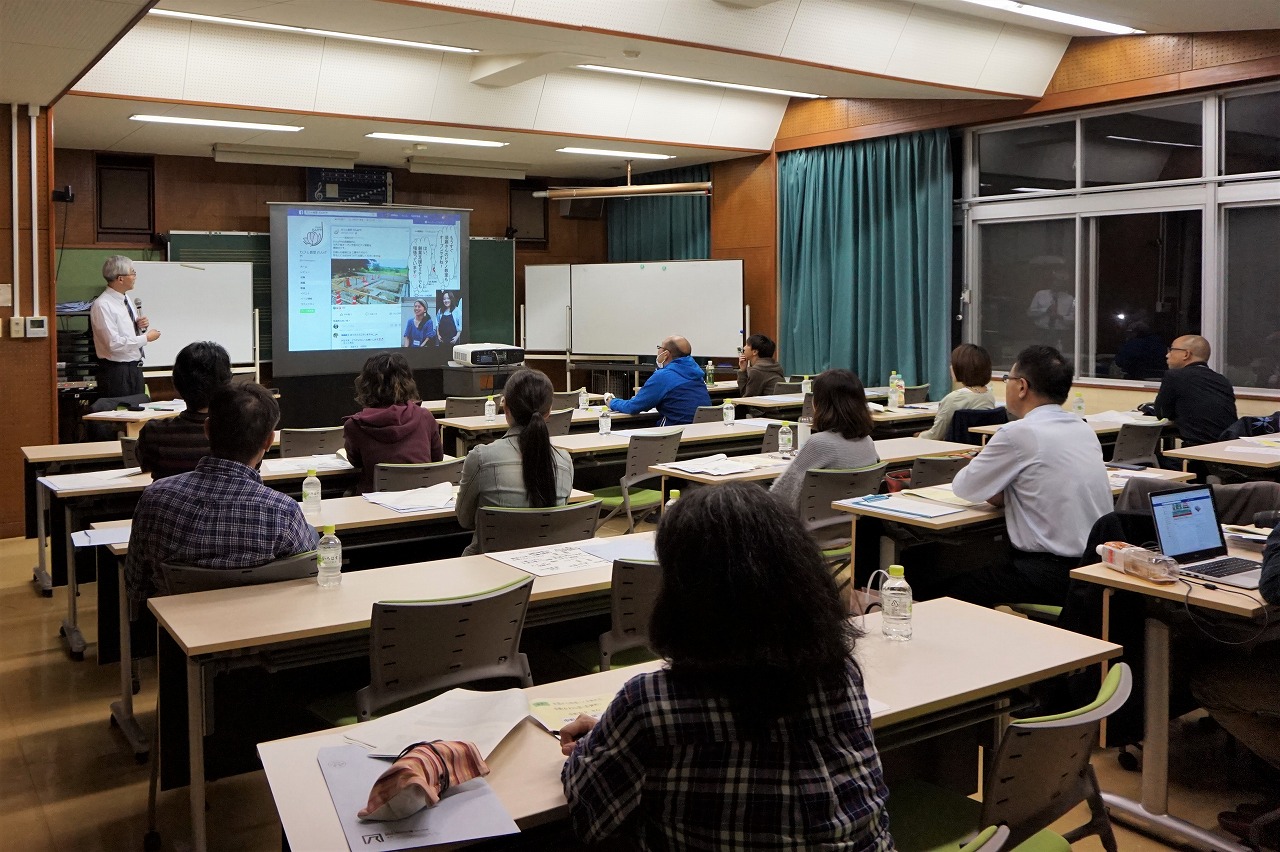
(26, 366)
(744, 225)
(1091, 62)
(1214, 49)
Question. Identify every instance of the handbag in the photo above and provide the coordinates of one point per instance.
(420, 776)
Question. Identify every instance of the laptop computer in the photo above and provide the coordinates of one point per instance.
(1188, 530)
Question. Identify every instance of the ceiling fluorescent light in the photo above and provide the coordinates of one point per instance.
(262, 25)
(601, 152)
(437, 140)
(468, 168)
(215, 122)
(270, 155)
(653, 75)
(1060, 17)
(1154, 142)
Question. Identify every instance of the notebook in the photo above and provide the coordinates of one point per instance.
(1188, 530)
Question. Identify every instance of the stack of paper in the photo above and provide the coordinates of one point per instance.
(943, 494)
(170, 405)
(1120, 417)
(638, 548)
(91, 479)
(439, 496)
(1256, 449)
(905, 506)
(101, 537)
(550, 560)
(484, 718)
(717, 465)
(554, 713)
(296, 464)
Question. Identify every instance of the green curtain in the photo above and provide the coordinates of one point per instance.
(864, 232)
(669, 227)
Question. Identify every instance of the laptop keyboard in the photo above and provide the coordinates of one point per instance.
(1223, 567)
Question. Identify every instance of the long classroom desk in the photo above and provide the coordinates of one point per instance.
(741, 436)
(1241, 452)
(1102, 428)
(1151, 813)
(197, 630)
(962, 663)
(465, 432)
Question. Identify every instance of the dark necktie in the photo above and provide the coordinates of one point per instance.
(128, 306)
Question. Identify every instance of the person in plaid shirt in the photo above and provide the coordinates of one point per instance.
(219, 515)
(756, 735)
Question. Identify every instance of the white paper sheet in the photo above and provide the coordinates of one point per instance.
(484, 718)
(92, 479)
(717, 465)
(783, 397)
(104, 536)
(169, 405)
(942, 494)
(301, 464)
(550, 560)
(636, 548)
(1263, 440)
(903, 506)
(438, 496)
(467, 812)
(1255, 450)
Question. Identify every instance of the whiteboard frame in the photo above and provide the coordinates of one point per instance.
(223, 314)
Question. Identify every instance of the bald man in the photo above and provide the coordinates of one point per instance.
(676, 389)
(1200, 401)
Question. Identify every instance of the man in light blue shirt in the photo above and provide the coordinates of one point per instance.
(676, 389)
(1046, 469)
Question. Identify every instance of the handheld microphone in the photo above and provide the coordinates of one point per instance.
(1268, 519)
(137, 304)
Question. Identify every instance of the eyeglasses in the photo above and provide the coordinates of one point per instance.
(1178, 349)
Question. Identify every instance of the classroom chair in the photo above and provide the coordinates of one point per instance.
(966, 418)
(558, 422)
(564, 399)
(990, 839)
(633, 593)
(642, 451)
(129, 451)
(770, 442)
(819, 490)
(403, 477)
(936, 470)
(310, 442)
(915, 394)
(709, 414)
(468, 406)
(1137, 444)
(787, 387)
(503, 528)
(1041, 771)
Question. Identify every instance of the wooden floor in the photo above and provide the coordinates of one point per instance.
(69, 782)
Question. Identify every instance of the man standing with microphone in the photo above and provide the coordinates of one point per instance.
(120, 331)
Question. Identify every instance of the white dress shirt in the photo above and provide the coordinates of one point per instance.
(1049, 467)
(115, 337)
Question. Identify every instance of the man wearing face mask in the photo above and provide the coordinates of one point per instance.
(676, 389)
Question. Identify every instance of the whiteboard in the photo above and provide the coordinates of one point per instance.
(546, 312)
(187, 302)
(629, 308)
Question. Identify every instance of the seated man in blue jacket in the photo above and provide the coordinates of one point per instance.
(676, 389)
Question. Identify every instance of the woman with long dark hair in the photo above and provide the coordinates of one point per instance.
(392, 426)
(756, 734)
(521, 469)
(841, 437)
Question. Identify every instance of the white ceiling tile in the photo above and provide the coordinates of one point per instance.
(78, 24)
(582, 102)
(150, 61)
(642, 17)
(868, 32)
(763, 30)
(498, 7)
(258, 67)
(459, 101)
(943, 48)
(673, 112)
(1023, 61)
(747, 120)
(354, 79)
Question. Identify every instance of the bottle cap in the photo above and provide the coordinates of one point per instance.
(675, 494)
(311, 471)
(329, 528)
(896, 570)
(489, 397)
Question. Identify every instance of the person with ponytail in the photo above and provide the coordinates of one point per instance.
(521, 469)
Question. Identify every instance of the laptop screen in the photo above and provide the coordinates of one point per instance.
(1187, 524)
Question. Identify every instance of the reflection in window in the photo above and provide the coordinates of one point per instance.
(1027, 159)
(1028, 290)
(1163, 143)
(1252, 327)
(1252, 134)
(1147, 290)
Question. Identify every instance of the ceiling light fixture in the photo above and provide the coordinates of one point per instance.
(1154, 142)
(437, 140)
(563, 193)
(601, 152)
(215, 122)
(469, 168)
(1060, 17)
(271, 155)
(653, 75)
(262, 25)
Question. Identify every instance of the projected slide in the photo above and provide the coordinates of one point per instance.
(373, 279)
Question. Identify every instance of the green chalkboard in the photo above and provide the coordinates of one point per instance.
(79, 271)
(234, 246)
(492, 291)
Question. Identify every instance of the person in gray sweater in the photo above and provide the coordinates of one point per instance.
(971, 367)
(841, 439)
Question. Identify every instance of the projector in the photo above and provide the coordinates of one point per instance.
(487, 354)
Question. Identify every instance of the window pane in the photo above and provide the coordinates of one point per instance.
(1028, 290)
(1252, 134)
(1027, 159)
(1147, 290)
(1145, 145)
(1252, 327)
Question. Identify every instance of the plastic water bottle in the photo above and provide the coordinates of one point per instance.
(583, 399)
(671, 501)
(490, 410)
(606, 420)
(895, 606)
(806, 385)
(1077, 403)
(895, 395)
(711, 373)
(727, 412)
(803, 428)
(784, 441)
(311, 497)
(329, 559)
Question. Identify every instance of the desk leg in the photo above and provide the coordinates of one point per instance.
(195, 750)
(71, 627)
(122, 710)
(1151, 814)
(40, 575)
(853, 603)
